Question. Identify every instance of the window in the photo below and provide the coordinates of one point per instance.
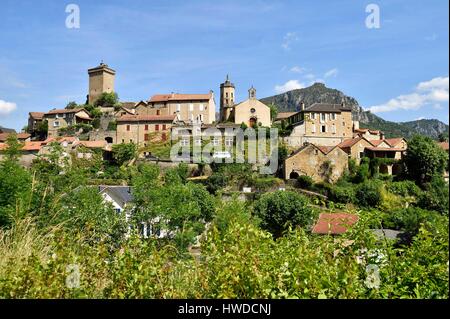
(252, 110)
(128, 127)
(313, 116)
(198, 141)
(323, 128)
(56, 124)
(313, 129)
(200, 107)
(163, 136)
(156, 127)
(232, 95)
(184, 141)
(158, 112)
(333, 116)
(146, 137)
(226, 94)
(146, 127)
(333, 129)
(131, 141)
(164, 127)
(228, 141)
(316, 152)
(215, 141)
(178, 107)
(322, 117)
(191, 107)
(361, 154)
(123, 141)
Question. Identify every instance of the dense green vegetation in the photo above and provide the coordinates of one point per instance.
(53, 221)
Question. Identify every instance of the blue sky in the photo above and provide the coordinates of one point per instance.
(399, 70)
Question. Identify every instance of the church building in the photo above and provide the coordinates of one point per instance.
(251, 112)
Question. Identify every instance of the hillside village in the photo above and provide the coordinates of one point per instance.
(316, 136)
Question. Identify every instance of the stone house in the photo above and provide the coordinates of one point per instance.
(322, 124)
(188, 108)
(143, 129)
(321, 163)
(355, 147)
(60, 118)
(34, 120)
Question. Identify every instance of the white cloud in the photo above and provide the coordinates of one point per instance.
(288, 86)
(288, 39)
(7, 107)
(331, 73)
(428, 92)
(419, 118)
(297, 69)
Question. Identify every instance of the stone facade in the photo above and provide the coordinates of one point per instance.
(58, 119)
(188, 108)
(101, 80)
(143, 129)
(321, 163)
(322, 124)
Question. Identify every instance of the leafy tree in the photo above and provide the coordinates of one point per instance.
(305, 181)
(123, 153)
(368, 194)
(281, 209)
(363, 171)
(216, 181)
(435, 195)
(13, 147)
(72, 105)
(443, 137)
(424, 159)
(273, 111)
(107, 100)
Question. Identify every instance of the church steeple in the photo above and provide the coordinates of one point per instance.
(252, 93)
(227, 91)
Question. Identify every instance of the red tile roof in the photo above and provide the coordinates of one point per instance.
(68, 139)
(386, 149)
(352, 141)
(20, 136)
(325, 149)
(334, 223)
(92, 144)
(285, 115)
(393, 141)
(27, 146)
(37, 115)
(444, 145)
(64, 111)
(179, 97)
(146, 118)
(376, 142)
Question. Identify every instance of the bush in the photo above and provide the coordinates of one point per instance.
(435, 196)
(216, 182)
(409, 220)
(368, 194)
(403, 188)
(281, 209)
(305, 181)
(343, 194)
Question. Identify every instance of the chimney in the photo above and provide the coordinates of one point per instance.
(381, 135)
(302, 106)
(343, 102)
(172, 94)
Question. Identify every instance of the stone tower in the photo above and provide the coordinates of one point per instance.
(101, 80)
(226, 99)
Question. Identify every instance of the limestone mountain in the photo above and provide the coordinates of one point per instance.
(319, 93)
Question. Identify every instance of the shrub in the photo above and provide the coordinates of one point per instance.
(368, 194)
(342, 194)
(403, 188)
(281, 209)
(216, 182)
(305, 181)
(435, 196)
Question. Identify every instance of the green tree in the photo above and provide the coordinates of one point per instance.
(273, 111)
(72, 105)
(123, 153)
(13, 147)
(424, 159)
(281, 209)
(107, 100)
